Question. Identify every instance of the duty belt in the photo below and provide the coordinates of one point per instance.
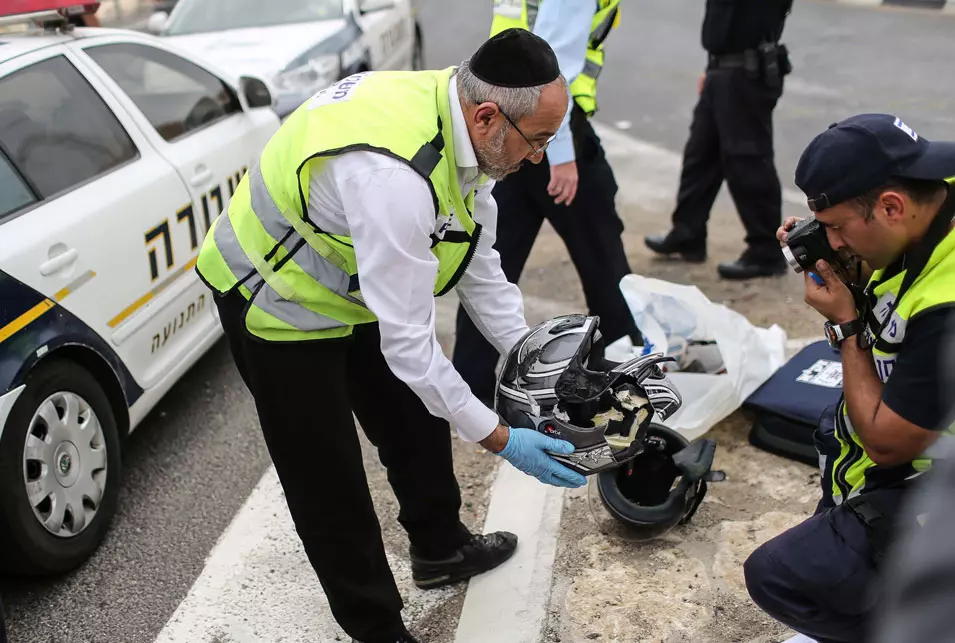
(748, 58)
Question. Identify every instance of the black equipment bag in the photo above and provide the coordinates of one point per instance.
(798, 397)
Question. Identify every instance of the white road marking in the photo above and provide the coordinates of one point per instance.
(258, 586)
(509, 604)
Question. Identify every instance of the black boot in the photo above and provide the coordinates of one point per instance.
(678, 242)
(750, 266)
(482, 553)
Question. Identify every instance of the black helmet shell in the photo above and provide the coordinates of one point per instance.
(661, 487)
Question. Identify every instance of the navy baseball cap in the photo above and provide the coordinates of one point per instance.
(863, 152)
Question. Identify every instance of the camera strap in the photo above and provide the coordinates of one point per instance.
(914, 262)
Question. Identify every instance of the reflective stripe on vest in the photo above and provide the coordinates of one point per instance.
(853, 466)
(523, 14)
(302, 283)
(853, 471)
(592, 69)
(276, 296)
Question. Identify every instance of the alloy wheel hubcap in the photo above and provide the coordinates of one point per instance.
(64, 464)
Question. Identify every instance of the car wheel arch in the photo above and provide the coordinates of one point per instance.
(90, 359)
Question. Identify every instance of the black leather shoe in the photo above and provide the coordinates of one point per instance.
(402, 638)
(745, 268)
(673, 242)
(482, 553)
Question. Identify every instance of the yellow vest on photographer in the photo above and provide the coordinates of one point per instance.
(522, 14)
(852, 471)
(301, 282)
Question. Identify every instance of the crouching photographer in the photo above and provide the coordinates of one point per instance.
(880, 196)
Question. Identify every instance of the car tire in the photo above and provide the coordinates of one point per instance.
(66, 464)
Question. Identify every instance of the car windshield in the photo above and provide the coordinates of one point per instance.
(198, 16)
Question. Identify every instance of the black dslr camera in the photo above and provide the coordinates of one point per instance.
(806, 244)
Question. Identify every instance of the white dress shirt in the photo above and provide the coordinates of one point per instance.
(387, 210)
(565, 25)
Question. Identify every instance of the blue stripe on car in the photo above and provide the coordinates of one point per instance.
(56, 329)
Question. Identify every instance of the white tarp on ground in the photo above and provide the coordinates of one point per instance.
(673, 317)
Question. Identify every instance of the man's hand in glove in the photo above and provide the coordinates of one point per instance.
(527, 450)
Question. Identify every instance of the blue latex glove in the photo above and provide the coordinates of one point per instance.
(527, 450)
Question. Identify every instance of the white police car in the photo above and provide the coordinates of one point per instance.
(117, 150)
(300, 46)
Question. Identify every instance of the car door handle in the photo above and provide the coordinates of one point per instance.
(201, 177)
(58, 262)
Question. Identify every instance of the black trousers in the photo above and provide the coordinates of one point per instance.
(591, 231)
(731, 139)
(817, 578)
(305, 394)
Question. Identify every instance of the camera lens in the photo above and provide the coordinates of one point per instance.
(791, 259)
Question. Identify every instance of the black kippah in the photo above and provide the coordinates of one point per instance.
(515, 58)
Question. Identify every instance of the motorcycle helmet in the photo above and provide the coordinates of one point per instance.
(661, 487)
(556, 380)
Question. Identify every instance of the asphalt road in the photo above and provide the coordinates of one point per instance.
(187, 470)
(193, 462)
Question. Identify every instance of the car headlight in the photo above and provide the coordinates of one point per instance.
(315, 74)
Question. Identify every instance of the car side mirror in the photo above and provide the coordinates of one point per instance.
(256, 92)
(370, 6)
(157, 22)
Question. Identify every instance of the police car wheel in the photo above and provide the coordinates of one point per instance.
(59, 471)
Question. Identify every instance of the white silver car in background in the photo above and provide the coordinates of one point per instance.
(299, 46)
(117, 152)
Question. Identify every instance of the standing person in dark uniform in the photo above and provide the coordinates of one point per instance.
(731, 137)
(573, 186)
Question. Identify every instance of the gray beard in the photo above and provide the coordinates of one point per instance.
(491, 157)
(494, 173)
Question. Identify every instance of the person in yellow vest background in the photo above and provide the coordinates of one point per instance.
(572, 186)
(881, 193)
(373, 197)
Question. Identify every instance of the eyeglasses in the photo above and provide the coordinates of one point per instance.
(537, 150)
